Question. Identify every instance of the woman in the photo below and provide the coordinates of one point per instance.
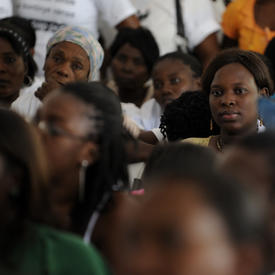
(27, 247)
(72, 55)
(192, 220)
(82, 126)
(17, 65)
(133, 53)
(234, 81)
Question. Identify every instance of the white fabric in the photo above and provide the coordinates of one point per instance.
(27, 103)
(48, 16)
(132, 111)
(150, 113)
(198, 16)
(5, 8)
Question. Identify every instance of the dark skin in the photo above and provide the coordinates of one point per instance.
(207, 49)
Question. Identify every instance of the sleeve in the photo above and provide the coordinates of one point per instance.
(230, 22)
(115, 11)
(158, 134)
(199, 20)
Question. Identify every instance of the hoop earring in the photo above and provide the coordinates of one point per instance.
(28, 81)
(82, 177)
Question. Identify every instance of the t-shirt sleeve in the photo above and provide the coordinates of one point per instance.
(230, 22)
(68, 254)
(115, 11)
(199, 20)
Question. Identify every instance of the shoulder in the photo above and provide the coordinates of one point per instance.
(198, 141)
(68, 253)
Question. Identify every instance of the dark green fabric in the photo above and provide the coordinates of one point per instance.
(51, 252)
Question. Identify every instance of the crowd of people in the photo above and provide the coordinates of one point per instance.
(132, 137)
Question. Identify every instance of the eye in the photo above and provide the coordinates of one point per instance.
(158, 85)
(240, 90)
(9, 59)
(216, 92)
(138, 62)
(57, 59)
(175, 80)
(121, 57)
(77, 66)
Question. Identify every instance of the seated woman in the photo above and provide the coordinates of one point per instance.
(26, 246)
(133, 53)
(81, 126)
(234, 81)
(72, 55)
(17, 67)
(193, 220)
(249, 24)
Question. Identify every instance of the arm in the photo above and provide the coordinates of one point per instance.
(130, 22)
(207, 49)
(228, 42)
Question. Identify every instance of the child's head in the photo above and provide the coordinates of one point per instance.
(173, 74)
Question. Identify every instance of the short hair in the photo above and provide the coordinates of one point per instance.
(186, 59)
(263, 143)
(174, 158)
(110, 170)
(188, 116)
(251, 61)
(195, 165)
(141, 39)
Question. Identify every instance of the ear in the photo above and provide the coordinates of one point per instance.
(264, 92)
(197, 83)
(89, 152)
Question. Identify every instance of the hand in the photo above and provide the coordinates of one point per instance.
(46, 88)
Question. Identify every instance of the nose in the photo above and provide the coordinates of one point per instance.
(128, 66)
(167, 89)
(2, 67)
(64, 70)
(228, 99)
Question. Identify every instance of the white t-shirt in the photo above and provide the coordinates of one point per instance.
(49, 15)
(160, 17)
(5, 8)
(27, 103)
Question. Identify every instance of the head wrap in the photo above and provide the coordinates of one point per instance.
(83, 38)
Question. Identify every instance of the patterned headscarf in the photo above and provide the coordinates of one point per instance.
(83, 38)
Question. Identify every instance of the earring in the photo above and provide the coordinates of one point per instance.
(28, 81)
(82, 177)
(261, 123)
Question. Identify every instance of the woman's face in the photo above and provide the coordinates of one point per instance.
(175, 232)
(233, 99)
(171, 78)
(66, 62)
(12, 72)
(129, 68)
(65, 127)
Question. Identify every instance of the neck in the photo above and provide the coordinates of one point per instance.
(132, 95)
(231, 137)
(7, 101)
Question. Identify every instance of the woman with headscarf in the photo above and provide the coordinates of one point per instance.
(73, 54)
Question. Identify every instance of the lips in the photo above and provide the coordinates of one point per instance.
(229, 115)
(4, 82)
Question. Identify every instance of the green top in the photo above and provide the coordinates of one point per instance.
(51, 252)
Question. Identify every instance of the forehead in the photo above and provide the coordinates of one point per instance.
(233, 73)
(5, 45)
(172, 66)
(69, 49)
(129, 50)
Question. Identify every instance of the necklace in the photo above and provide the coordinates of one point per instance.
(219, 144)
